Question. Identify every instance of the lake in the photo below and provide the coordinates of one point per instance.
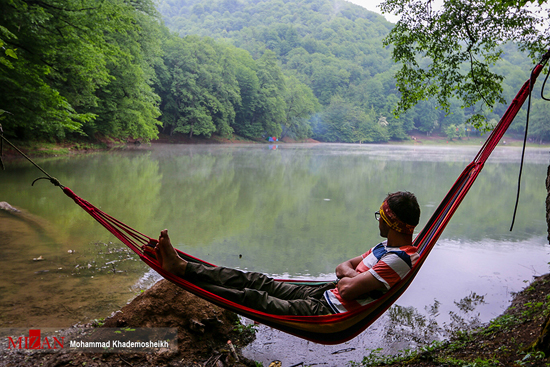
(286, 210)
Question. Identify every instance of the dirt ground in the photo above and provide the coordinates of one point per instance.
(203, 334)
(215, 139)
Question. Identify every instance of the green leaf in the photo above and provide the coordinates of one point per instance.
(11, 53)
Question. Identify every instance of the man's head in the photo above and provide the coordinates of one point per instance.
(401, 212)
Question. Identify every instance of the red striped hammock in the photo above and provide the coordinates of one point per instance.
(337, 328)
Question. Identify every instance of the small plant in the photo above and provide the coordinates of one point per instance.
(529, 358)
(501, 322)
(431, 347)
(504, 349)
(376, 358)
(372, 359)
(98, 322)
(245, 329)
(532, 309)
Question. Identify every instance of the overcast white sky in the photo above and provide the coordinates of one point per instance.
(372, 5)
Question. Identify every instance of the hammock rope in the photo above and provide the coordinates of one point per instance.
(53, 180)
(325, 329)
(531, 81)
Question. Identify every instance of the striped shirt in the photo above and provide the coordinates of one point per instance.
(387, 264)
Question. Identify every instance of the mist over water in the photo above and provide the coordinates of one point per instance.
(294, 211)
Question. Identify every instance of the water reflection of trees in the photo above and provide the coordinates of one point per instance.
(295, 210)
(410, 325)
(126, 187)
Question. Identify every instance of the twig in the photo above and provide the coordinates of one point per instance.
(212, 363)
(233, 350)
(125, 361)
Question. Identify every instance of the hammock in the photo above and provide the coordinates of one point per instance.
(337, 328)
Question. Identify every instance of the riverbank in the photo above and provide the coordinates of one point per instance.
(72, 147)
(507, 140)
(205, 334)
(519, 337)
(54, 149)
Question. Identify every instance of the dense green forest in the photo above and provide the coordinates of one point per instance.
(302, 68)
(78, 66)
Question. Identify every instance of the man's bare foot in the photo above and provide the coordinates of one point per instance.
(168, 257)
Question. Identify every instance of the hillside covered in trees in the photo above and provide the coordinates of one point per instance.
(336, 49)
(254, 68)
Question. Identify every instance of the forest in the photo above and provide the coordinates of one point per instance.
(252, 68)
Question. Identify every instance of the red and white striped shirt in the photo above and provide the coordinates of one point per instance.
(387, 264)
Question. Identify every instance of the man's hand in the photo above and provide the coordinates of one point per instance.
(353, 288)
(347, 268)
(352, 284)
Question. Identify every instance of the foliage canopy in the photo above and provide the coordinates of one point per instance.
(451, 52)
(78, 65)
(258, 68)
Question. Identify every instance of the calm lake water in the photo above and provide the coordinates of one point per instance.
(286, 210)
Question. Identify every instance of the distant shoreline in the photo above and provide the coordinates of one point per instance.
(70, 148)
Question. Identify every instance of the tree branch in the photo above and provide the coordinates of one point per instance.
(44, 5)
(469, 51)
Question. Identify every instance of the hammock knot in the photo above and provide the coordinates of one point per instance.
(53, 180)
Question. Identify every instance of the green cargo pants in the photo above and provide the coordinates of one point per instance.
(260, 292)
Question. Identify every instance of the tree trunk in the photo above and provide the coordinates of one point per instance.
(543, 341)
(548, 202)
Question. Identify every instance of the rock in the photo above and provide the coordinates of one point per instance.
(202, 327)
(7, 207)
(196, 326)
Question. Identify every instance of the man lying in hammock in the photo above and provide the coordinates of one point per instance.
(359, 280)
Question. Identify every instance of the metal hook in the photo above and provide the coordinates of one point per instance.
(53, 180)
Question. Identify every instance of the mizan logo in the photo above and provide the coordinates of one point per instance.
(35, 341)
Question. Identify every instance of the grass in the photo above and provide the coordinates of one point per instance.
(74, 146)
(50, 149)
(473, 141)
